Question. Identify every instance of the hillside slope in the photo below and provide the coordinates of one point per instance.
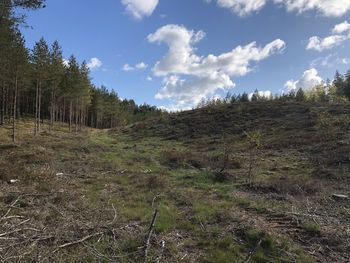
(91, 196)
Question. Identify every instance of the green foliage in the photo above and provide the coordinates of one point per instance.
(60, 90)
(311, 229)
(221, 251)
(300, 95)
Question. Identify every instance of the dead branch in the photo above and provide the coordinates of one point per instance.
(11, 206)
(77, 241)
(18, 230)
(150, 234)
(161, 252)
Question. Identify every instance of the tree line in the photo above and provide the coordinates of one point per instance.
(336, 91)
(40, 83)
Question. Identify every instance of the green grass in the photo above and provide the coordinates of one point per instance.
(108, 173)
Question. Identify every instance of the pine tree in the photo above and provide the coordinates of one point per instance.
(300, 95)
(40, 59)
(56, 72)
(347, 85)
(339, 83)
(19, 67)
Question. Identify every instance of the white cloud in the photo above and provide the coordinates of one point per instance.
(242, 7)
(263, 94)
(94, 64)
(332, 8)
(341, 33)
(141, 66)
(341, 28)
(66, 62)
(329, 61)
(149, 78)
(127, 67)
(309, 80)
(188, 78)
(140, 8)
(321, 44)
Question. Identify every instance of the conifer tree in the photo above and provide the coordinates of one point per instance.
(40, 59)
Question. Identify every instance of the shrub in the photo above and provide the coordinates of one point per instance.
(311, 229)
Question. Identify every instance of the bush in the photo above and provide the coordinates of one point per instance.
(312, 229)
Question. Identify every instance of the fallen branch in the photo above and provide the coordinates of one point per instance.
(77, 241)
(11, 206)
(18, 230)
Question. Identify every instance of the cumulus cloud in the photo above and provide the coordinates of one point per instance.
(261, 93)
(330, 8)
(341, 28)
(127, 67)
(341, 34)
(308, 81)
(94, 64)
(321, 44)
(139, 66)
(242, 7)
(188, 78)
(140, 8)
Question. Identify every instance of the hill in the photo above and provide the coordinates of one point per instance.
(91, 196)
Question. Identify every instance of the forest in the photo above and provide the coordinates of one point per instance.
(38, 82)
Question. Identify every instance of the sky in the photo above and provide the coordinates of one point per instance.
(173, 54)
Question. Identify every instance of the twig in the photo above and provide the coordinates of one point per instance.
(161, 252)
(77, 241)
(18, 230)
(115, 214)
(251, 254)
(11, 217)
(150, 233)
(11, 206)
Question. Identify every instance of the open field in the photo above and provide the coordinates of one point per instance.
(91, 196)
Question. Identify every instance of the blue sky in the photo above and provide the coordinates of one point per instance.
(298, 44)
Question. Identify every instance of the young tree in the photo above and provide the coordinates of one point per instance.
(347, 85)
(300, 95)
(339, 83)
(244, 97)
(254, 140)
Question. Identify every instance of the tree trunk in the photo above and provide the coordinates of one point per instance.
(2, 117)
(70, 115)
(36, 107)
(14, 110)
(39, 108)
(52, 112)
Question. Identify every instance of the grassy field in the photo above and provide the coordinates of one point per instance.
(91, 196)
